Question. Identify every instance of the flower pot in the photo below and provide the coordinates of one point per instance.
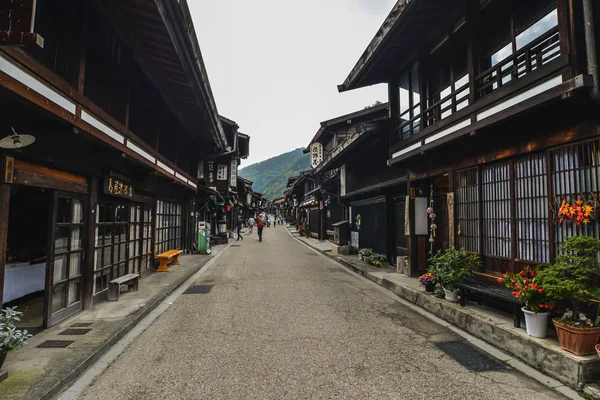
(429, 287)
(535, 323)
(451, 295)
(2, 358)
(579, 341)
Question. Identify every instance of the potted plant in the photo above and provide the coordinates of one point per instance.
(536, 306)
(11, 338)
(428, 280)
(575, 277)
(365, 254)
(376, 261)
(451, 268)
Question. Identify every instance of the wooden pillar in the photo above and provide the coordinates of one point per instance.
(564, 32)
(88, 267)
(82, 51)
(394, 110)
(473, 11)
(513, 219)
(4, 207)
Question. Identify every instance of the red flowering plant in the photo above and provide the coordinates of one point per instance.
(527, 289)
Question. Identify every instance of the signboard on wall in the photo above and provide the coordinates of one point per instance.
(117, 184)
(234, 167)
(316, 154)
(210, 174)
(343, 180)
(354, 239)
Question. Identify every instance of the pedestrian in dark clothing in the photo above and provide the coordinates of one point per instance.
(239, 228)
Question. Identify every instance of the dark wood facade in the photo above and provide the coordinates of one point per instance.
(494, 114)
(121, 119)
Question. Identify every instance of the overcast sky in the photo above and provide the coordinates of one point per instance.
(274, 65)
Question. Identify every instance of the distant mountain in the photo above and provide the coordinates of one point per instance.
(270, 176)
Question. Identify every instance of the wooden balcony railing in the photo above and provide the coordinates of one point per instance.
(531, 57)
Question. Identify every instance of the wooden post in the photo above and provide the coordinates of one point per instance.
(473, 11)
(88, 266)
(513, 219)
(4, 207)
(82, 52)
(564, 33)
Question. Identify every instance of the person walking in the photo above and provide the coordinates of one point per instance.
(251, 223)
(260, 224)
(239, 228)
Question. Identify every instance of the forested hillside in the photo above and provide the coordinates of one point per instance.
(270, 176)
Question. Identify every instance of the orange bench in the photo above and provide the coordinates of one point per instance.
(166, 258)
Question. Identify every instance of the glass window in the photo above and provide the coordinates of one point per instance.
(536, 30)
(467, 209)
(168, 231)
(495, 198)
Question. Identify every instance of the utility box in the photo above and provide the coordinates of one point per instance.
(341, 233)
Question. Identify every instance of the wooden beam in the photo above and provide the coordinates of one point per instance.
(88, 265)
(82, 51)
(4, 208)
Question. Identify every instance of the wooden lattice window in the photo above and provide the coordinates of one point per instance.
(467, 209)
(495, 198)
(531, 208)
(575, 175)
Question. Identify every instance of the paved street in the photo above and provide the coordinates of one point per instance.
(282, 322)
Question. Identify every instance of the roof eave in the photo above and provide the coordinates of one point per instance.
(373, 50)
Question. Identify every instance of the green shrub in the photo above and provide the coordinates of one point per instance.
(574, 276)
(452, 267)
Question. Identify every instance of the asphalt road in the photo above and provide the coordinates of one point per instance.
(282, 322)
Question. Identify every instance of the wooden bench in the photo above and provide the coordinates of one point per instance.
(166, 258)
(480, 290)
(114, 286)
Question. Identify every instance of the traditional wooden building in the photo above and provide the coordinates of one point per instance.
(347, 177)
(116, 97)
(244, 189)
(219, 173)
(494, 112)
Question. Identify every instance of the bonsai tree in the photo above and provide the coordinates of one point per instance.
(11, 338)
(452, 267)
(575, 276)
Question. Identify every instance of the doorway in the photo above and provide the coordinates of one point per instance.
(26, 254)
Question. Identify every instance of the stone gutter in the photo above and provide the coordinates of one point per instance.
(495, 328)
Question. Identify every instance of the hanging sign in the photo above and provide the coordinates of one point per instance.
(117, 184)
(316, 154)
(233, 181)
(209, 174)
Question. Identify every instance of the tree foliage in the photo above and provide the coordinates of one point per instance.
(575, 275)
(270, 177)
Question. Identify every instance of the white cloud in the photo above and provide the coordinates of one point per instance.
(274, 65)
